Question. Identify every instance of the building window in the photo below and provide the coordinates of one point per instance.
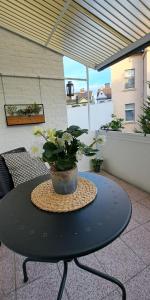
(130, 112)
(130, 79)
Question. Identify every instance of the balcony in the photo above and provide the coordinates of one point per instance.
(34, 37)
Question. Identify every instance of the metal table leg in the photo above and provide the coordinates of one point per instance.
(62, 285)
(63, 281)
(80, 265)
(105, 276)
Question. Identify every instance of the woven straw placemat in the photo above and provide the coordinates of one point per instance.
(45, 198)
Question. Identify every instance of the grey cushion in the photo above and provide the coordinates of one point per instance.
(6, 182)
(23, 167)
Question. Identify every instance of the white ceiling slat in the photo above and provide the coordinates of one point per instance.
(58, 20)
(76, 49)
(80, 38)
(140, 6)
(83, 14)
(27, 32)
(96, 33)
(28, 26)
(122, 12)
(109, 15)
(22, 33)
(137, 15)
(17, 12)
(139, 44)
(73, 56)
(78, 24)
(73, 51)
(81, 45)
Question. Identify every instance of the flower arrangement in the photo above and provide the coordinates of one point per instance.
(63, 149)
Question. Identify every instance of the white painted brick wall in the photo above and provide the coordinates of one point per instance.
(21, 57)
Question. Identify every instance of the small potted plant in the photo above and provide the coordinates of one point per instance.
(116, 124)
(62, 150)
(96, 164)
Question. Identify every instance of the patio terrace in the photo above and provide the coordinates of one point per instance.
(127, 258)
(34, 37)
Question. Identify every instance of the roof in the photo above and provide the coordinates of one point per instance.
(83, 94)
(83, 100)
(95, 33)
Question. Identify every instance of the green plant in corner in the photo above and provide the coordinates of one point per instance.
(116, 124)
(96, 164)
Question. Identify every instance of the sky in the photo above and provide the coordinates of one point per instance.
(74, 69)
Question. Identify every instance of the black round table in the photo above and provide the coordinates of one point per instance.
(51, 237)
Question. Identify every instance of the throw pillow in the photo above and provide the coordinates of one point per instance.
(23, 167)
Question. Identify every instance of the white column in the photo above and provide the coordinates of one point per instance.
(87, 77)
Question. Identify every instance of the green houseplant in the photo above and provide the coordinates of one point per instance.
(96, 164)
(62, 150)
(116, 124)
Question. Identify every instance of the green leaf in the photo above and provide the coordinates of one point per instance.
(76, 131)
(65, 164)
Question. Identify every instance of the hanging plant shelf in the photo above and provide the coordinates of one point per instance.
(19, 115)
(15, 120)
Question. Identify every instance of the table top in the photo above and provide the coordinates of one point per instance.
(37, 234)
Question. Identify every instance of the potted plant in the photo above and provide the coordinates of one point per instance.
(116, 124)
(62, 150)
(96, 164)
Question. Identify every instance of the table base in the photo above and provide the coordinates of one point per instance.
(81, 266)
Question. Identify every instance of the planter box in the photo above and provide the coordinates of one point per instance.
(25, 120)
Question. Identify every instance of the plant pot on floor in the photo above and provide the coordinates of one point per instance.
(64, 182)
(96, 164)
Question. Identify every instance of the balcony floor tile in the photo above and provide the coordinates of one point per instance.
(139, 241)
(138, 288)
(120, 261)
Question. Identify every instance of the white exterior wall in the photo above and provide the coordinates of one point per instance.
(21, 57)
(126, 155)
(100, 114)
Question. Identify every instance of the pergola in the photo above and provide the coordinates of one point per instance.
(96, 33)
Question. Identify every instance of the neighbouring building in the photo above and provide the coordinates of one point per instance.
(130, 87)
(80, 98)
(104, 93)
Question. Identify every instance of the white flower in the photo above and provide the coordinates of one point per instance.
(79, 154)
(51, 135)
(36, 151)
(67, 137)
(38, 131)
(60, 142)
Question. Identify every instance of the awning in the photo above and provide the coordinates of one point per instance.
(93, 32)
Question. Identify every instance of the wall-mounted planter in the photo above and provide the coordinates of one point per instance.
(15, 120)
(24, 114)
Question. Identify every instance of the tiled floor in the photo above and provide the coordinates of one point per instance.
(127, 258)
